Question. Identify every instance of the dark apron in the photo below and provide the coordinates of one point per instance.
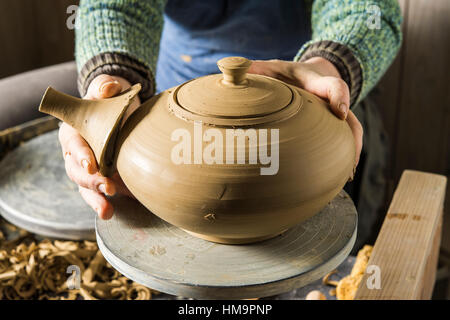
(197, 33)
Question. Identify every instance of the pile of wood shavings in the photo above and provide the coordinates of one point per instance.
(346, 288)
(37, 269)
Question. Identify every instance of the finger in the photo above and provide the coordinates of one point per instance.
(333, 89)
(261, 67)
(103, 86)
(74, 144)
(357, 131)
(79, 148)
(98, 202)
(64, 134)
(95, 182)
(278, 69)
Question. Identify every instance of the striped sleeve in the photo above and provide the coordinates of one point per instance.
(118, 37)
(361, 38)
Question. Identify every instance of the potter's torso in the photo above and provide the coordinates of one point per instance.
(198, 33)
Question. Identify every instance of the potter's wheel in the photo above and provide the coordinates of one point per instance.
(36, 195)
(158, 255)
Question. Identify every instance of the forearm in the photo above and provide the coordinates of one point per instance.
(119, 38)
(343, 34)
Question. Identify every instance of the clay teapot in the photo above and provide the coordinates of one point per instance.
(230, 158)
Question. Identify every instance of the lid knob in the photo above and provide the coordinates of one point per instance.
(234, 70)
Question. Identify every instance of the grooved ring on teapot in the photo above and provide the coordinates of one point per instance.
(224, 121)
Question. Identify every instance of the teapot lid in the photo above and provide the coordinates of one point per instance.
(234, 97)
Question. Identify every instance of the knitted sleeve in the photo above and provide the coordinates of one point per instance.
(361, 38)
(118, 37)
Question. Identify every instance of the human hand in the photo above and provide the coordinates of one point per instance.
(319, 76)
(80, 163)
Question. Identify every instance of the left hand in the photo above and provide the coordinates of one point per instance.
(80, 163)
(319, 76)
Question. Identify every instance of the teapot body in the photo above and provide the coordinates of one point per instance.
(230, 158)
(181, 174)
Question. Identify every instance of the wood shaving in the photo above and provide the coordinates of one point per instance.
(37, 269)
(347, 286)
(326, 280)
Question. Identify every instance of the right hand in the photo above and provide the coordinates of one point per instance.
(80, 163)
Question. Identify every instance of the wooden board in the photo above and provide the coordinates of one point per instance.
(35, 193)
(407, 246)
(156, 254)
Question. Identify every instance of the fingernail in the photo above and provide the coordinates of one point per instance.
(85, 164)
(106, 84)
(343, 108)
(102, 188)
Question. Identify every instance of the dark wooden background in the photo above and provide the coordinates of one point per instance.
(33, 34)
(414, 94)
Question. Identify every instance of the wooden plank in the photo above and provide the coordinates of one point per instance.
(408, 238)
(429, 277)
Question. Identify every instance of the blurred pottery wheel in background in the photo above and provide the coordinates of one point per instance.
(36, 194)
(158, 255)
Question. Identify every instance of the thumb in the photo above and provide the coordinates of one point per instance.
(333, 89)
(102, 87)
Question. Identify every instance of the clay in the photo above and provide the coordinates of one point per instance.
(97, 121)
(288, 158)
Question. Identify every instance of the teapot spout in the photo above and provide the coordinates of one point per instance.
(97, 121)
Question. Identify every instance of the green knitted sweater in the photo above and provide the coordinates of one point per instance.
(121, 37)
